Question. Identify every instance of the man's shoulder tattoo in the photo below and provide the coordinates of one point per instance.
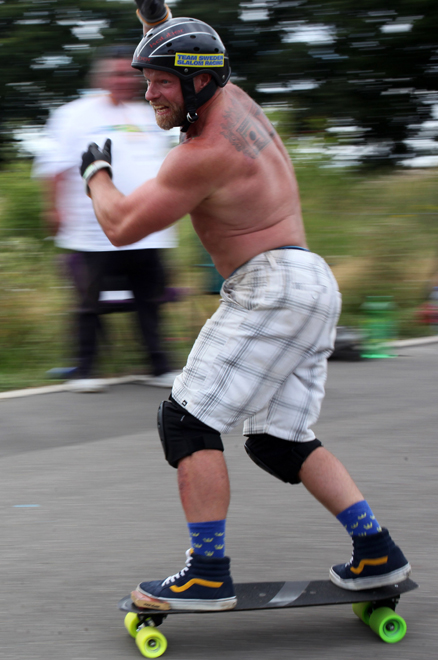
(247, 129)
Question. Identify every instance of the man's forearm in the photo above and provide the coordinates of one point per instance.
(51, 213)
(107, 203)
(125, 219)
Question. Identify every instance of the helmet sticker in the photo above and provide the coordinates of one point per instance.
(187, 59)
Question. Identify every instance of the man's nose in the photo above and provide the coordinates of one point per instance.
(151, 92)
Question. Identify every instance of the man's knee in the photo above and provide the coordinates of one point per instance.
(281, 458)
(181, 434)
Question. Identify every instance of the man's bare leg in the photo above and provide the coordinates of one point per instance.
(376, 560)
(205, 583)
(204, 486)
(329, 482)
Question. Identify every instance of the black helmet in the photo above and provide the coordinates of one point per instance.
(185, 47)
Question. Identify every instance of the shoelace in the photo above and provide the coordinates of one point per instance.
(350, 562)
(182, 572)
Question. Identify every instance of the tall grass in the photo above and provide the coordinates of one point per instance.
(379, 233)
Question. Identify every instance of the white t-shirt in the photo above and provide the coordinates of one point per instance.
(139, 147)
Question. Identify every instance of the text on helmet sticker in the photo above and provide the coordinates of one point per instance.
(187, 59)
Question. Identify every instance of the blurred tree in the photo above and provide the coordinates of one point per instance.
(368, 69)
(45, 49)
(357, 70)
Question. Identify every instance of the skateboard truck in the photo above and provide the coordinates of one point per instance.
(380, 616)
(142, 627)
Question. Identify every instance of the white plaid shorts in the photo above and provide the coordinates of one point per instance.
(261, 358)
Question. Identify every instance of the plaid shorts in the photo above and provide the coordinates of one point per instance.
(261, 358)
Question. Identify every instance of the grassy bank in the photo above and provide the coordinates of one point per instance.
(379, 232)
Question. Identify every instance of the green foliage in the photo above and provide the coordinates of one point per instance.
(45, 51)
(31, 312)
(20, 203)
(363, 65)
(378, 233)
(366, 65)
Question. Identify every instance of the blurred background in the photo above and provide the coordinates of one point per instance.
(352, 89)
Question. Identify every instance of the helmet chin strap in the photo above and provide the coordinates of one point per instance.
(194, 100)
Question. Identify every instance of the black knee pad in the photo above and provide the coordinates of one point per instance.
(281, 458)
(181, 434)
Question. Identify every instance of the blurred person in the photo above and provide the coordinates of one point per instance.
(115, 109)
(262, 357)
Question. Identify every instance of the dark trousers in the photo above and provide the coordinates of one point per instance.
(144, 275)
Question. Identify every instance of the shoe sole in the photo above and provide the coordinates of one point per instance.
(373, 582)
(149, 602)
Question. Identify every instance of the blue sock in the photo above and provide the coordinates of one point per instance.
(208, 538)
(359, 520)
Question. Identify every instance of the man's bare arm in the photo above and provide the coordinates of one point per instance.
(127, 219)
(51, 213)
(152, 13)
(182, 183)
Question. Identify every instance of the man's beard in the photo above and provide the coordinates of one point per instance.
(176, 117)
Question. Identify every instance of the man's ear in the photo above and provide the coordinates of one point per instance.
(201, 81)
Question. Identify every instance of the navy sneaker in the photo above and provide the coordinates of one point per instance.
(376, 562)
(204, 584)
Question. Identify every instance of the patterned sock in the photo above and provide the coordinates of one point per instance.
(208, 538)
(359, 520)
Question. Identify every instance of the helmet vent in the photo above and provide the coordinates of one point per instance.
(196, 49)
(193, 36)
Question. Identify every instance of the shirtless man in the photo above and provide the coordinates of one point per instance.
(262, 358)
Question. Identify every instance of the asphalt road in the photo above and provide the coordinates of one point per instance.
(89, 508)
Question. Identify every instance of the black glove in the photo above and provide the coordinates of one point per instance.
(95, 159)
(152, 12)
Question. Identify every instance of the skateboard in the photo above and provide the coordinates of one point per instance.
(375, 607)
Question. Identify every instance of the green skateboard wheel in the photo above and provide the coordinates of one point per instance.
(131, 624)
(150, 642)
(388, 625)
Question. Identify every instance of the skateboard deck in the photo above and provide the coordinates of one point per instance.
(375, 607)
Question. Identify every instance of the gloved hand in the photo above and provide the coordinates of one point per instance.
(152, 12)
(95, 159)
